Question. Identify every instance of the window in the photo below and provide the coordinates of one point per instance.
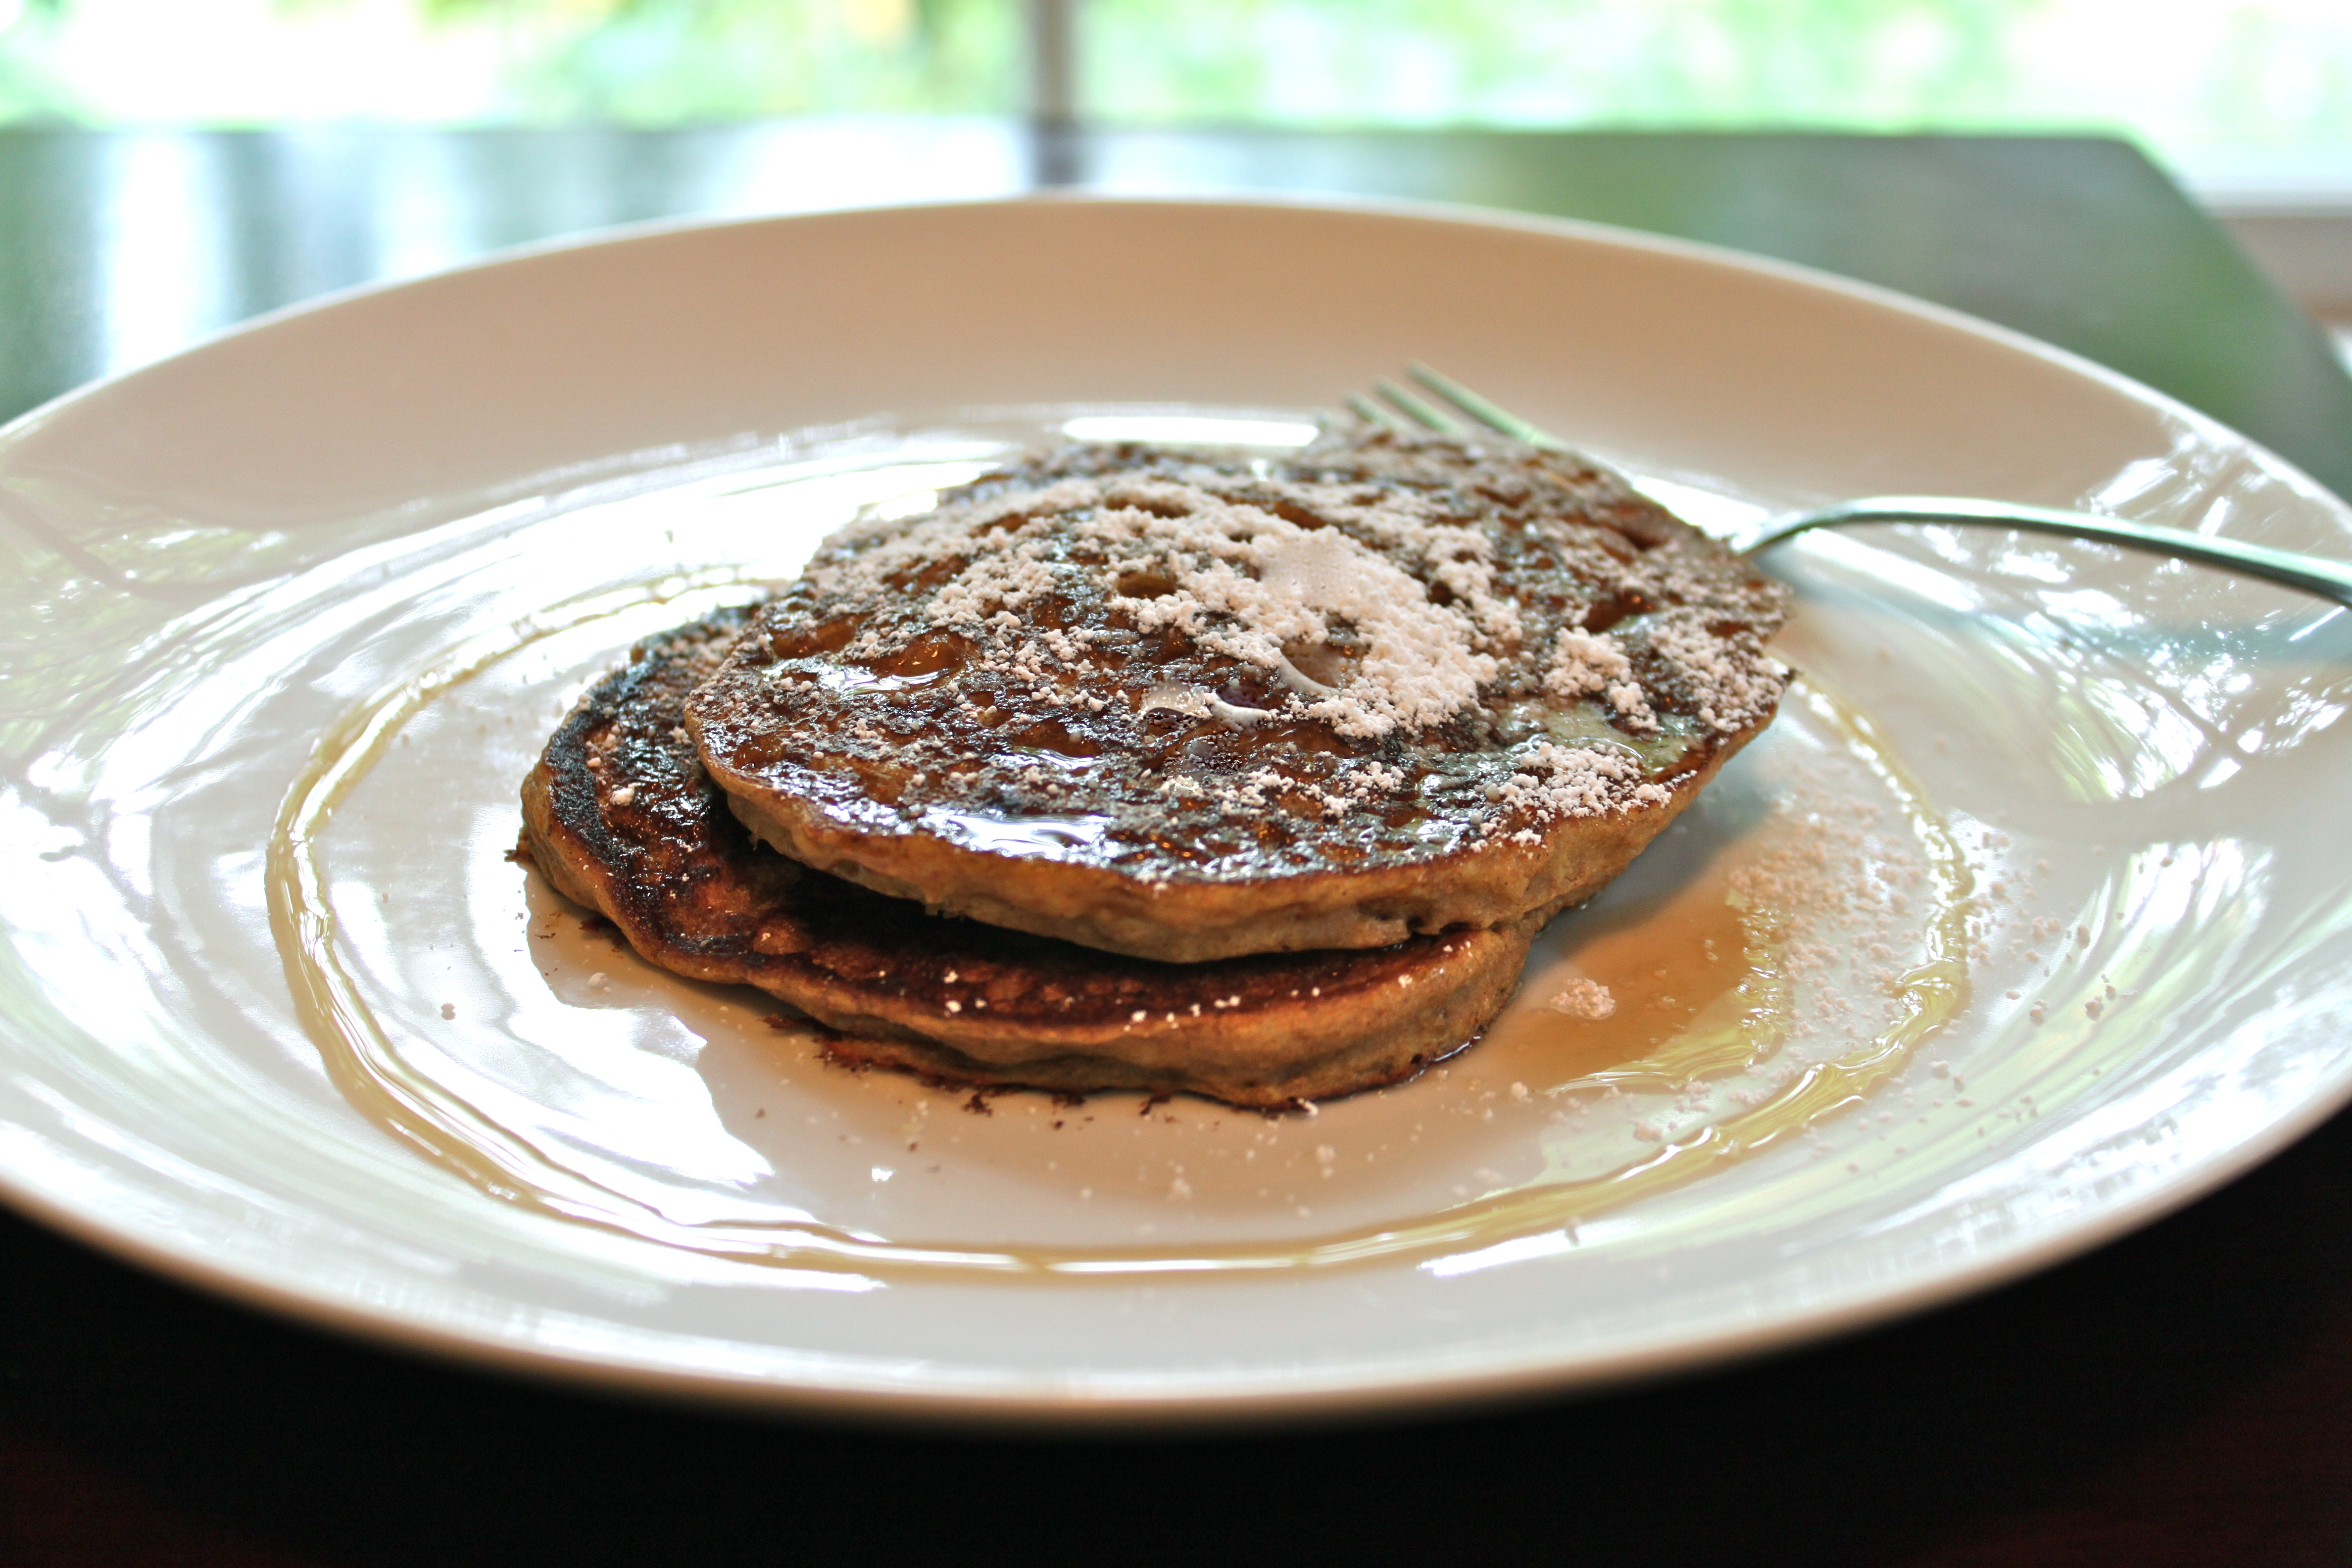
(2210, 84)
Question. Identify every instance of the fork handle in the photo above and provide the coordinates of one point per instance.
(2329, 579)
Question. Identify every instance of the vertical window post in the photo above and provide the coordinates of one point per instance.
(1052, 92)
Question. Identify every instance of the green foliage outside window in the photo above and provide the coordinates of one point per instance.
(1683, 61)
(2185, 75)
(643, 62)
(666, 61)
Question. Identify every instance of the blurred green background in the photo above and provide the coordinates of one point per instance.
(2187, 79)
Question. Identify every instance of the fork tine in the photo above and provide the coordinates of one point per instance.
(1491, 415)
(1371, 412)
(1419, 410)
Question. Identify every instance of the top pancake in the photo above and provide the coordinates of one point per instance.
(1187, 706)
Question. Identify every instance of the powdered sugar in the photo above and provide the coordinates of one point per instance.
(1585, 665)
(1583, 998)
(1234, 577)
(1397, 645)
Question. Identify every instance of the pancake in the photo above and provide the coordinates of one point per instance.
(1187, 707)
(620, 816)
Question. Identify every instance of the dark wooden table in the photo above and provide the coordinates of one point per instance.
(2183, 1396)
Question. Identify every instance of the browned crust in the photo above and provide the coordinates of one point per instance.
(877, 781)
(1192, 922)
(1385, 1056)
(954, 998)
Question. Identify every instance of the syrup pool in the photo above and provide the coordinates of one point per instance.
(1774, 961)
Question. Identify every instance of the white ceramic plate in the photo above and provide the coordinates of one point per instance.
(2025, 923)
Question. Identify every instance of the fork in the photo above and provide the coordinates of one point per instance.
(2330, 578)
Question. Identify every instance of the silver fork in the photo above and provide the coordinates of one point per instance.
(2330, 578)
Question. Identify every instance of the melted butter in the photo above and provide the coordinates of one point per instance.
(1721, 1004)
(1046, 758)
(1044, 835)
(1585, 723)
(852, 678)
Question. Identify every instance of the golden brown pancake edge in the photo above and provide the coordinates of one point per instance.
(620, 817)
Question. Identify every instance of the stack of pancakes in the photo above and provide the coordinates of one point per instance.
(1136, 768)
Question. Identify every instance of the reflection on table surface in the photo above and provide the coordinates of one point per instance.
(118, 248)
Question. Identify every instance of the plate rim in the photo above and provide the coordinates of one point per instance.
(1200, 1401)
(1526, 1377)
(1588, 230)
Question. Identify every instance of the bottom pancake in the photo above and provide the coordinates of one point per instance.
(620, 816)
